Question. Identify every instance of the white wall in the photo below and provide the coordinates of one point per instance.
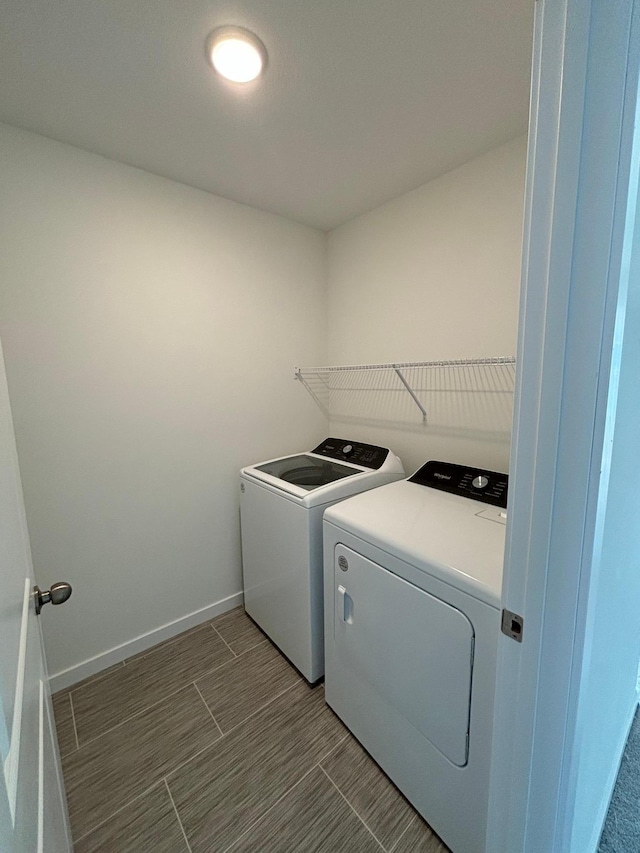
(150, 333)
(609, 679)
(433, 275)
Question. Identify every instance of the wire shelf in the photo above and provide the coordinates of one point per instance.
(469, 394)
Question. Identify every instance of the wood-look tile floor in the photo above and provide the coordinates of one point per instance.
(212, 742)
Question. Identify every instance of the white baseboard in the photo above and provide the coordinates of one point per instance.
(92, 666)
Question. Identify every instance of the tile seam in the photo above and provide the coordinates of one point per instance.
(236, 657)
(262, 707)
(184, 763)
(142, 655)
(73, 718)
(334, 747)
(260, 642)
(209, 709)
(165, 643)
(163, 698)
(215, 630)
(117, 811)
(403, 833)
(360, 818)
(186, 840)
(258, 820)
(91, 679)
(414, 817)
(157, 782)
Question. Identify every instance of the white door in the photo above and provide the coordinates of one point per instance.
(33, 815)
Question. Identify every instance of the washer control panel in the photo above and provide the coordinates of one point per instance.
(367, 455)
(490, 487)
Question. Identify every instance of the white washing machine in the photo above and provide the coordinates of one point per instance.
(281, 507)
(413, 577)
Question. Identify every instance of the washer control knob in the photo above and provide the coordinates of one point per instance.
(480, 482)
(347, 449)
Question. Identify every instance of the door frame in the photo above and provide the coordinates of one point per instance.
(581, 177)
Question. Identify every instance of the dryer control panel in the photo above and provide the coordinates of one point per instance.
(490, 487)
(367, 455)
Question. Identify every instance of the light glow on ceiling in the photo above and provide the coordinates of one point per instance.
(236, 54)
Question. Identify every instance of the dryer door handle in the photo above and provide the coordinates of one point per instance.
(345, 605)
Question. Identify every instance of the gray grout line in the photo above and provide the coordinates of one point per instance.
(186, 840)
(193, 758)
(223, 640)
(262, 707)
(271, 807)
(112, 668)
(414, 818)
(179, 767)
(147, 790)
(117, 811)
(151, 649)
(224, 734)
(280, 799)
(204, 748)
(261, 642)
(153, 704)
(85, 682)
(336, 745)
(404, 832)
(73, 718)
(208, 709)
(200, 751)
(136, 715)
(168, 642)
(360, 818)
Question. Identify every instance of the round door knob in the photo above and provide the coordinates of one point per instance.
(58, 594)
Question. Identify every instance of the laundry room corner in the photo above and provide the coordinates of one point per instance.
(433, 275)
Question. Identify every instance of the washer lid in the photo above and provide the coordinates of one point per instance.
(443, 534)
(336, 469)
(307, 472)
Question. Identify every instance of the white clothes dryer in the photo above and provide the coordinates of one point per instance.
(413, 577)
(281, 507)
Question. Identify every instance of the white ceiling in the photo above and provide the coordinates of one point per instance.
(362, 100)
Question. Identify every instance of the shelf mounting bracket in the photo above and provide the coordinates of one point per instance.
(411, 393)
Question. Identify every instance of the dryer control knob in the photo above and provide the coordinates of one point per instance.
(480, 482)
(347, 449)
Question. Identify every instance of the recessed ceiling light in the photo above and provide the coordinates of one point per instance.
(236, 54)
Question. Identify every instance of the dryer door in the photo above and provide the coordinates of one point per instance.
(414, 649)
